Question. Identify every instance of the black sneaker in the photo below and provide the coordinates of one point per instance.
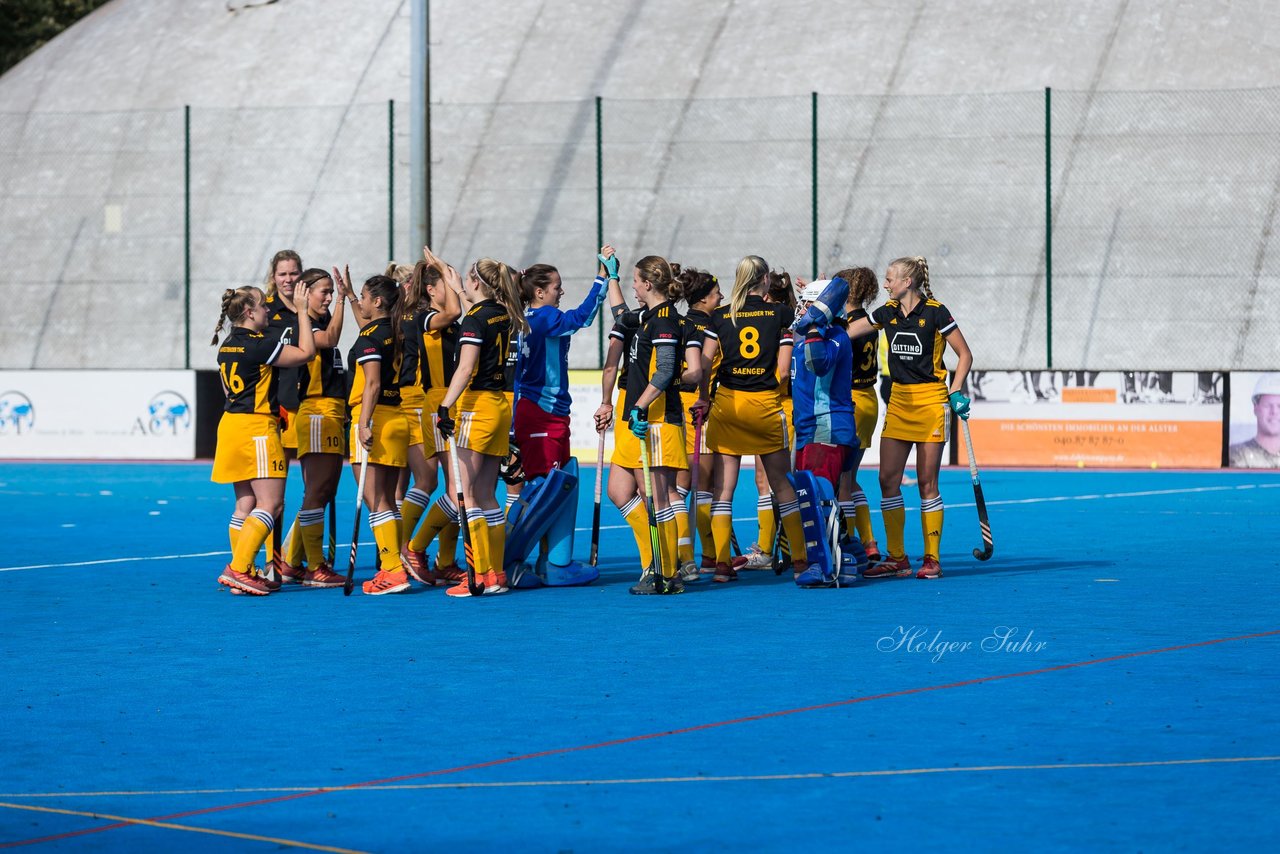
(645, 586)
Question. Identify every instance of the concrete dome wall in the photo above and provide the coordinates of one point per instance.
(706, 157)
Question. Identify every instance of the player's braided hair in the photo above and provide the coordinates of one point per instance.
(863, 285)
(918, 269)
(235, 302)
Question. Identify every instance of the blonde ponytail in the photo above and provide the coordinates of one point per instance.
(917, 268)
(751, 270)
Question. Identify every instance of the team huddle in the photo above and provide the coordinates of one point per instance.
(463, 380)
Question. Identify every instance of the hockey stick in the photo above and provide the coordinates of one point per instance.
(475, 587)
(693, 476)
(988, 547)
(355, 533)
(655, 565)
(333, 528)
(595, 514)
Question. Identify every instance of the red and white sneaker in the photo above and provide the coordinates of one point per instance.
(243, 582)
(323, 576)
(494, 583)
(725, 574)
(290, 574)
(930, 568)
(386, 582)
(415, 563)
(873, 552)
(890, 567)
(451, 573)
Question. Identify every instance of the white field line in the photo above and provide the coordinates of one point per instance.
(1005, 502)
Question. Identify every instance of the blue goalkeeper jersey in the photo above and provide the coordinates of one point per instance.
(821, 388)
(542, 372)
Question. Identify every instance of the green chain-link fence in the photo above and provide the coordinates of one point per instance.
(119, 231)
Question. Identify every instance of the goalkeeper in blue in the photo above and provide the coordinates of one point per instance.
(822, 384)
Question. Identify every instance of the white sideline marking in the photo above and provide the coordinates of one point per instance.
(1007, 502)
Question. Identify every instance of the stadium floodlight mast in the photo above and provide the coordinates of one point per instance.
(420, 128)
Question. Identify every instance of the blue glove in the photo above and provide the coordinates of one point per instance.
(610, 265)
(639, 426)
(959, 405)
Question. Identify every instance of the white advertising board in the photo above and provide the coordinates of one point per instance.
(109, 415)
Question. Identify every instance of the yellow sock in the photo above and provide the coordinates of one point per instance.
(478, 539)
(638, 518)
(684, 538)
(497, 533)
(768, 521)
(310, 534)
(895, 519)
(668, 536)
(294, 549)
(931, 525)
(253, 533)
(233, 530)
(794, 529)
(447, 554)
(442, 512)
(862, 518)
(386, 533)
(415, 504)
(703, 521)
(722, 530)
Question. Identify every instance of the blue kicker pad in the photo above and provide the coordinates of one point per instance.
(817, 502)
(542, 503)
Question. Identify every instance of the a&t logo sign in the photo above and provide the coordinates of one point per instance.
(169, 414)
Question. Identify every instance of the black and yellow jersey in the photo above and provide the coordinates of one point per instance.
(749, 348)
(487, 325)
(694, 325)
(376, 343)
(325, 375)
(438, 352)
(866, 354)
(513, 361)
(660, 326)
(915, 340)
(244, 362)
(624, 330)
(412, 324)
(281, 317)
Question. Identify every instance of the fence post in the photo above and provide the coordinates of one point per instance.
(814, 136)
(186, 235)
(600, 218)
(1048, 231)
(391, 180)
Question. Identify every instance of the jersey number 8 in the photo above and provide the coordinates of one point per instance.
(749, 342)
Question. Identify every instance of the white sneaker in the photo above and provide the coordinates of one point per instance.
(689, 572)
(758, 558)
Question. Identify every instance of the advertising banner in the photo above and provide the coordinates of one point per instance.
(1109, 419)
(105, 415)
(1254, 420)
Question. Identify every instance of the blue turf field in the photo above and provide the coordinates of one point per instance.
(745, 716)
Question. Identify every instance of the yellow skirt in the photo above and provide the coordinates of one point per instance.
(746, 423)
(483, 422)
(432, 442)
(390, 437)
(248, 448)
(288, 437)
(866, 413)
(666, 447)
(687, 400)
(317, 428)
(917, 413)
(413, 405)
